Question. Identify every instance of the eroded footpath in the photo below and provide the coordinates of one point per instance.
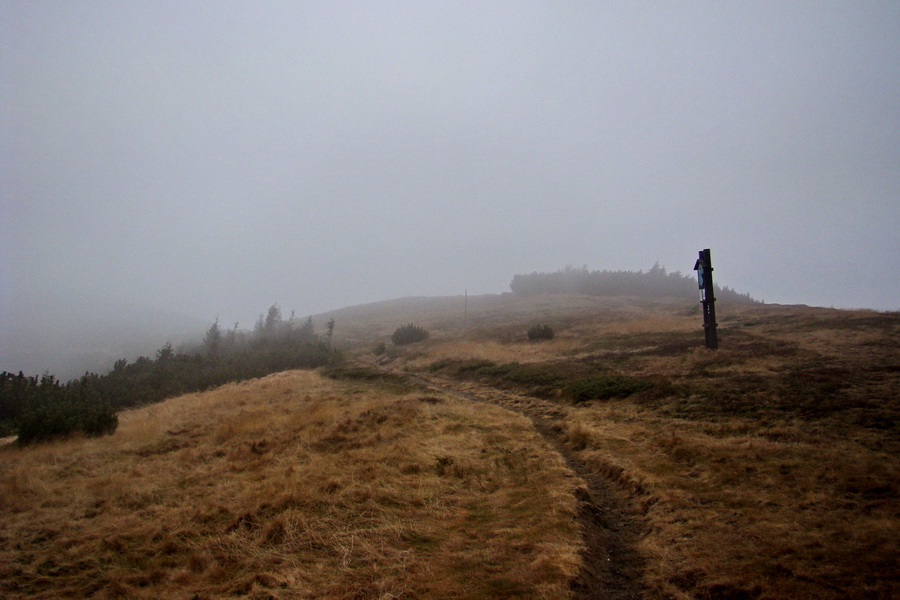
(611, 522)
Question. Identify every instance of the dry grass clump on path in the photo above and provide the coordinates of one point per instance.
(292, 486)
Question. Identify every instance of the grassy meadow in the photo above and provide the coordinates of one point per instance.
(765, 470)
(293, 486)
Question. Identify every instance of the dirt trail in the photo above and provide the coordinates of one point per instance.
(610, 526)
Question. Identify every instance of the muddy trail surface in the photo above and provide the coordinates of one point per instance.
(611, 525)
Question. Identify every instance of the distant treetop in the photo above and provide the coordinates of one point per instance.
(655, 283)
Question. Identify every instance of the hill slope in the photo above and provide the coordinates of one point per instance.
(293, 486)
(766, 469)
(500, 317)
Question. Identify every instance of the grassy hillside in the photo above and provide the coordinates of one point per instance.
(619, 458)
(767, 469)
(292, 486)
(499, 317)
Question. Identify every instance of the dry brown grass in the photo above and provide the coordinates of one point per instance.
(292, 486)
(524, 352)
(503, 317)
(741, 511)
(768, 469)
(765, 470)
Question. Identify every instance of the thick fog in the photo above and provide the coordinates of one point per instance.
(213, 158)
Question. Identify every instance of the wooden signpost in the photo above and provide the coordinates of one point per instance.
(704, 269)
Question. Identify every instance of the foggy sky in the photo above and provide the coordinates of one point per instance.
(213, 158)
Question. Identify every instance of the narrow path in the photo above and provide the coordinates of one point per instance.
(611, 527)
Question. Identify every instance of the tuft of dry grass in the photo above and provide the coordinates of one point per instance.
(292, 486)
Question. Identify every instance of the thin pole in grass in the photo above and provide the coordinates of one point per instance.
(466, 314)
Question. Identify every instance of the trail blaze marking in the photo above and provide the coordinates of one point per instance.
(704, 269)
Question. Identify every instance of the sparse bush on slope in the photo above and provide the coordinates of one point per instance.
(540, 332)
(604, 387)
(409, 334)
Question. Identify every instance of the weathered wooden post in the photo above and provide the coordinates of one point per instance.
(704, 269)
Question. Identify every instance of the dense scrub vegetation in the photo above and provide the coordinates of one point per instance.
(44, 408)
(655, 283)
(574, 381)
(540, 332)
(605, 387)
(38, 408)
(409, 334)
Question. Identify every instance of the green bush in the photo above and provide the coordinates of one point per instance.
(59, 419)
(408, 334)
(605, 387)
(369, 375)
(540, 332)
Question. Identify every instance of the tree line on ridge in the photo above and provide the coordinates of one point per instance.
(43, 407)
(655, 283)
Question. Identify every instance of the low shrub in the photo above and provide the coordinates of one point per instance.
(369, 375)
(540, 332)
(604, 387)
(409, 334)
(521, 375)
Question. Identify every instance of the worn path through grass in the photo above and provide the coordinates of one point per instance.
(610, 522)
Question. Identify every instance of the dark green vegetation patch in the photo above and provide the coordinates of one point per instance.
(605, 387)
(368, 375)
(540, 332)
(55, 420)
(409, 334)
(578, 380)
(539, 378)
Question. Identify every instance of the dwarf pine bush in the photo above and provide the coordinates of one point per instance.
(540, 332)
(59, 419)
(605, 387)
(408, 334)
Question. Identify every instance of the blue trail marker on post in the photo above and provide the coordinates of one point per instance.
(704, 269)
